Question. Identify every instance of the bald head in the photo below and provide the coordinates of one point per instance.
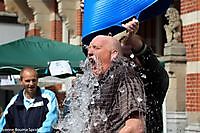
(27, 69)
(109, 42)
(101, 52)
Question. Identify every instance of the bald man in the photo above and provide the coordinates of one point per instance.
(119, 100)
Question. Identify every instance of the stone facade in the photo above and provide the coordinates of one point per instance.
(190, 15)
(59, 20)
(182, 63)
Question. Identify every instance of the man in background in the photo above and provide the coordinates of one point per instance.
(33, 109)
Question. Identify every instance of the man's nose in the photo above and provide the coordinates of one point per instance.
(90, 52)
(31, 82)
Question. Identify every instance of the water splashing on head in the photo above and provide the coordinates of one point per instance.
(107, 78)
(101, 52)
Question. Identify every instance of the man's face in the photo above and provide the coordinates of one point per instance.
(29, 81)
(99, 54)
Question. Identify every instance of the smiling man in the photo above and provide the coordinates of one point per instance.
(119, 100)
(33, 109)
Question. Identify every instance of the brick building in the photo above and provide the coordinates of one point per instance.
(61, 20)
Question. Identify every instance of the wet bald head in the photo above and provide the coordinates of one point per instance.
(101, 52)
(109, 42)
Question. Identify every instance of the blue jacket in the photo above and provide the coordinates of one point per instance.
(39, 117)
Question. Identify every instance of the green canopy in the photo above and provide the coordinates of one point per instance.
(37, 52)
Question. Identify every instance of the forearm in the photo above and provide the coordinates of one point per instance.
(142, 52)
(148, 59)
(133, 125)
(155, 73)
(136, 41)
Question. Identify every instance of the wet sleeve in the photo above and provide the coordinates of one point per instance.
(131, 96)
(155, 73)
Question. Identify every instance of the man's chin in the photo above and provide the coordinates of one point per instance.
(96, 73)
(31, 89)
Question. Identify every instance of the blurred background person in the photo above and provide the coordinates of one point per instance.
(31, 110)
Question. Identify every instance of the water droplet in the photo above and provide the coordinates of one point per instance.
(132, 56)
(70, 123)
(104, 117)
(122, 90)
(139, 99)
(144, 76)
(133, 65)
(96, 84)
(111, 76)
(95, 124)
(92, 101)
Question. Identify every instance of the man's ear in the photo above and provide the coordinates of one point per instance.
(114, 54)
